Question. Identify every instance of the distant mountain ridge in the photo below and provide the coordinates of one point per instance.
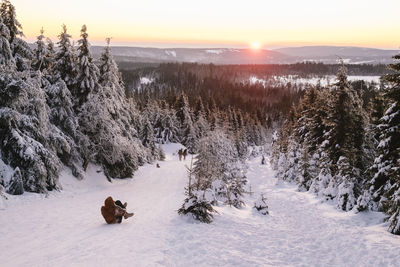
(325, 54)
(210, 55)
(349, 54)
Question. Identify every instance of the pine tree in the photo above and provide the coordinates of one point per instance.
(309, 137)
(187, 131)
(77, 149)
(385, 185)
(26, 134)
(21, 51)
(345, 142)
(114, 126)
(219, 168)
(182, 109)
(109, 74)
(8, 13)
(148, 139)
(16, 186)
(199, 120)
(197, 205)
(87, 71)
(5, 50)
(65, 61)
(50, 56)
(40, 60)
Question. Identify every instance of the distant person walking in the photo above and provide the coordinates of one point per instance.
(180, 153)
(185, 153)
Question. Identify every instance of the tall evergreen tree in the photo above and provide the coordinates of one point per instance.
(65, 61)
(21, 51)
(8, 13)
(87, 71)
(109, 74)
(385, 185)
(345, 142)
(5, 50)
(40, 60)
(51, 53)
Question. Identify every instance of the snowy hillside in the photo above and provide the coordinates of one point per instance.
(66, 228)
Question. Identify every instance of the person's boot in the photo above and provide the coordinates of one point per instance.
(127, 215)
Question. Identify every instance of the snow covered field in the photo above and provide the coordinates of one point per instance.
(324, 80)
(67, 229)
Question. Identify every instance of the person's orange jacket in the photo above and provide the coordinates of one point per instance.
(110, 211)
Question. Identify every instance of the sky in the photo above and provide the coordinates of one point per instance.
(218, 23)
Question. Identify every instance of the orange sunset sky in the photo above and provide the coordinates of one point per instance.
(218, 23)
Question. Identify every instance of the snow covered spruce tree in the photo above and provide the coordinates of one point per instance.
(199, 119)
(5, 50)
(108, 119)
(166, 126)
(26, 134)
(198, 206)
(147, 137)
(41, 60)
(384, 188)
(187, 129)
(76, 151)
(65, 60)
(20, 49)
(87, 79)
(345, 143)
(217, 177)
(280, 144)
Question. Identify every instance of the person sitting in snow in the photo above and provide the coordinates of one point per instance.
(114, 211)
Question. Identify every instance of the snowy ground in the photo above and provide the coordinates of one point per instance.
(323, 80)
(66, 229)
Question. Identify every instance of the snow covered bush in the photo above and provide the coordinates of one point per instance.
(198, 207)
(218, 160)
(261, 205)
(16, 185)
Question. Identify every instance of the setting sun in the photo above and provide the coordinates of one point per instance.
(255, 45)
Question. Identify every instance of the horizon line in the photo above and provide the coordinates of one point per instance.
(184, 45)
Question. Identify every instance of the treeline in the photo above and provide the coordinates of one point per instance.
(237, 72)
(169, 80)
(344, 146)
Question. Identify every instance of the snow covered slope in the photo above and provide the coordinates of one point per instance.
(66, 229)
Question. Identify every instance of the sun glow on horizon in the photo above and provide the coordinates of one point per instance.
(256, 45)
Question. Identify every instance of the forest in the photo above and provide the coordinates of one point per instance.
(344, 147)
(61, 107)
